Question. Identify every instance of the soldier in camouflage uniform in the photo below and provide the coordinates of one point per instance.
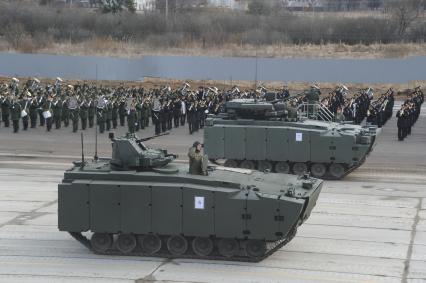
(196, 159)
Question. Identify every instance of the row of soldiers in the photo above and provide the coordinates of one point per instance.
(409, 113)
(109, 107)
(57, 105)
(360, 106)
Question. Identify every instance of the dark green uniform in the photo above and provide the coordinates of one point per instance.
(41, 101)
(47, 106)
(146, 110)
(131, 120)
(108, 116)
(24, 113)
(84, 114)
(138, 116)
(15, 114)
(65, 113)
(75, 114)
(101, 118)
(91, 113)
(122, 112)
(114, 114)
(33, 108)
(5, 105)
(57, 113)
(313, 97)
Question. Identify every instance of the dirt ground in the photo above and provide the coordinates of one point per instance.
(128, 49)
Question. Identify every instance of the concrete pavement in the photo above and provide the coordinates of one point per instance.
(369, 227)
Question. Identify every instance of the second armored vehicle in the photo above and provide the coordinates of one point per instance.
(138, 203)
(260, 135)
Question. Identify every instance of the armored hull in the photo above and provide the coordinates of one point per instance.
(231, 214)
(327, 149)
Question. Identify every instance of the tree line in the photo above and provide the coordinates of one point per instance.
(211, 28)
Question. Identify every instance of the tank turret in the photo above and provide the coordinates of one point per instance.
(129, 153)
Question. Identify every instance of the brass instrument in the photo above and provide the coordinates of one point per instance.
(235, 89)
(214, 89)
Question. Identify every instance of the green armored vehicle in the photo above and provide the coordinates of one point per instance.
(139, 203)
(262, 135)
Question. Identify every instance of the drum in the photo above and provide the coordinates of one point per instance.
(47, 114)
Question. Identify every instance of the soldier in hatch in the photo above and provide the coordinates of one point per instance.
(196, 160)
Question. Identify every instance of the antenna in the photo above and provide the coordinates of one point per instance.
(255, 74)
(96, 144)
(82, 151)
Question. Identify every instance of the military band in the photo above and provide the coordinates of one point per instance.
(81, 104)
(409, 113)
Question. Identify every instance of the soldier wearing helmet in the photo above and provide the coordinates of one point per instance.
(197, 160)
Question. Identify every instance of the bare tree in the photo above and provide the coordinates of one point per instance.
(405, 12)
(14, 34)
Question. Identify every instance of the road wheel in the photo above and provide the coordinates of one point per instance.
(231, 163)
(228, 247)
(202, 246)
(318, 170)
(337, 170)
(247, 164)
(300, 168)
(264, 165)
(150, 244)
(126, 243)
(177, 245)
(101, 242)
(282, 167)
(255, 248)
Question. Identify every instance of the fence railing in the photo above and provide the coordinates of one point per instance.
(315, 111)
